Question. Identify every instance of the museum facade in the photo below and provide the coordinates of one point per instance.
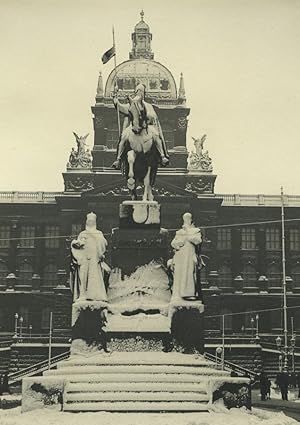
(242, 233)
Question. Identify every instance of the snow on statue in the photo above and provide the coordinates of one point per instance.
(87, 265)
(185, 262)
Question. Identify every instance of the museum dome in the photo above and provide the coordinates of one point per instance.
(141, 68)
(157, 78)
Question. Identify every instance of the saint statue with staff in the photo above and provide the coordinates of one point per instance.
(87, 263)
(186, 260)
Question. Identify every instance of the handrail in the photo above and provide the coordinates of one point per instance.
(271, 346)
(36, 368)
(5, 344)
(230, 365)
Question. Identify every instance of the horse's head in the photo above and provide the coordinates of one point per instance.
(137, 114)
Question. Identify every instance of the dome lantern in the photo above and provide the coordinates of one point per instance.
(141, 41)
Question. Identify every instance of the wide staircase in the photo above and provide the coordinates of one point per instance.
(136, 381)
(37, 368)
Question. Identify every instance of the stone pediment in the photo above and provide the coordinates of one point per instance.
(119, 188)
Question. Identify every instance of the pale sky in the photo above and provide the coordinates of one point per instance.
(240, 60)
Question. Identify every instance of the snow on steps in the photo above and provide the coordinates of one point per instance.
(135, 396)
(134, 370)
(137, 406)
(137, 358)
(136, 382)
(136, 386)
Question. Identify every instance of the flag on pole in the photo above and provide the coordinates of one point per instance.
(108, 55)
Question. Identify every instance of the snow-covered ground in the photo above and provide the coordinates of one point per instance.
(219, 417)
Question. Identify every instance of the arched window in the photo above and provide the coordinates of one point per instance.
(4, 235)
(3, 271)
(274, 275)
(50, 275)
(25, 273)
(273, 239)
(224, 238)
(225, 275)
(249, 275)
(295, 275)
(248, 238)
(27, 236)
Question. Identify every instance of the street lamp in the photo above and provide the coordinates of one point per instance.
(257, 328)
(219, 355)
(252, 328)
(30, 330)
(16, 325)
(285, 351)
(21, 326)
(280, 363)
(278, 342)
(292, 351)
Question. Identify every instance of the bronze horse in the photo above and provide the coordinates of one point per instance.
(142, 147)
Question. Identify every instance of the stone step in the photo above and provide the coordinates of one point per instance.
(136, 386)
(134, 369)
(139, 377)
(136, 406)
(137, 358)
(135, 396)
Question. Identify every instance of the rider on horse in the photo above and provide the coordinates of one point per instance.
(147, 117)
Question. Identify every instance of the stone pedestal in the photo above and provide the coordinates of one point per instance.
(187, 325)
(139, 238)
(88, 326)
(135, 214)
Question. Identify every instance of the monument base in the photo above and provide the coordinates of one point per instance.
(187, 325)
(88, 323)
(137, 382)
(139, 342)
(139, 213)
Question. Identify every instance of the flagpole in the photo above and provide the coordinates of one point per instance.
(116, 78)
(285, 317)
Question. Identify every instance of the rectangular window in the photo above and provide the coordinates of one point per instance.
(76, 229)
(45, 319)
(52, 236)
(27, 236)
(248, 238)
(273, 242)
(224, 238)
(295, 239)
(4, 235)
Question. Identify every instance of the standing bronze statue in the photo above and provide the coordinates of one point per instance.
(142, 147)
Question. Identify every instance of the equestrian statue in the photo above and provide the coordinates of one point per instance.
(142, 147)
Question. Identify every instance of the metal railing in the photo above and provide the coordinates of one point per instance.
(31, 197)
(228, 198)
(231, 366)
(259, 200)
(6, 344)
(36, 368)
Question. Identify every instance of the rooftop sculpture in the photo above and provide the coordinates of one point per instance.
(199, 160)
